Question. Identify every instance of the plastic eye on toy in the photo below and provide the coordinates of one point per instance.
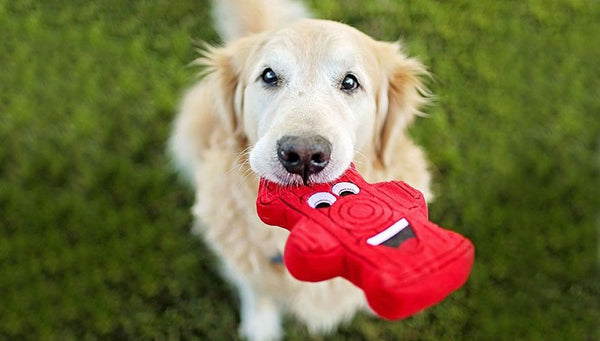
(377, 236)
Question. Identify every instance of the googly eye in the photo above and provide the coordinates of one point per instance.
(345, 188)
(321, 200)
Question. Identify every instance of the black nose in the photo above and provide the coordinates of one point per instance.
(303, 155)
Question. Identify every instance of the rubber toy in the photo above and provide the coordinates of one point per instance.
(377, 236)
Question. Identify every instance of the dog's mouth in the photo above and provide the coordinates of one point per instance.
(394, 235)
(301, 160)
(284, 177)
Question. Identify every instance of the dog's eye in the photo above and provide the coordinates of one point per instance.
(269, 77)
(350, 83)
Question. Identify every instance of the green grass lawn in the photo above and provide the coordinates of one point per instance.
(94, 225)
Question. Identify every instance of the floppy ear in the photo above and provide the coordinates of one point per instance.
(402, 93)
(211, 111)
(223, 71)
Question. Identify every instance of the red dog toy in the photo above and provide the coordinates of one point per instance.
(375, 235)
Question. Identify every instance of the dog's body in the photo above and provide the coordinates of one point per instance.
(281, 77)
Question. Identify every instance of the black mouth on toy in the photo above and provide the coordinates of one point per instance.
(394, 235)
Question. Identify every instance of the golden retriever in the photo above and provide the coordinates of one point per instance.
(295, 101)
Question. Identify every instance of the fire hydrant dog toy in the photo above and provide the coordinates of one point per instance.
(377, 236)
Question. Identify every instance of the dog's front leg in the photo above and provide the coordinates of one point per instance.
(259, 313)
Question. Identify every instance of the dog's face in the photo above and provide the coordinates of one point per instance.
(307, 97)
(310, 81)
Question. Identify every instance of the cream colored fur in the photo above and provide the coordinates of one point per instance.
(228, 125)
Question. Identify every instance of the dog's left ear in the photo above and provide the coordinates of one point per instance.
(401, 95)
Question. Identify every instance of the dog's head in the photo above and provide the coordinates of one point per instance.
(308, 96)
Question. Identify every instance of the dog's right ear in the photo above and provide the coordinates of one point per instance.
(211, 110)
(223, 73)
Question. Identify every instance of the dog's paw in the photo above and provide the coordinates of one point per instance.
(261, 325)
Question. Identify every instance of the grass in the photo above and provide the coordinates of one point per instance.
(94, 240)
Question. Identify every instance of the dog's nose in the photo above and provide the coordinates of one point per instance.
(304, 155)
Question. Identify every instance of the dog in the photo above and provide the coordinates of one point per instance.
(294, 100)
